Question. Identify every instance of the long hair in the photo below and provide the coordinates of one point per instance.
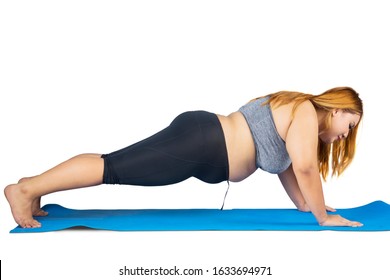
(338, 154)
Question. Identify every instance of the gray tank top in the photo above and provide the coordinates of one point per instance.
(271, 152)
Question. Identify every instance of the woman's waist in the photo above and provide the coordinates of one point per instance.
(240, 146)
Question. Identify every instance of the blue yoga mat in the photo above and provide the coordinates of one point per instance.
(375, 217)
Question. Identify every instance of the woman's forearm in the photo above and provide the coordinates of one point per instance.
(310, 184)
(290, 184)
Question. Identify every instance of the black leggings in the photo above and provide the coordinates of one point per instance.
(193, 145)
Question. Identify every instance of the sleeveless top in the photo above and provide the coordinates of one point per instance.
(271, 152)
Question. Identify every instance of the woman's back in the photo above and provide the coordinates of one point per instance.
(240, 142)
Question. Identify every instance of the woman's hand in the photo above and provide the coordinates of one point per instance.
(333, 220)
(337, 220)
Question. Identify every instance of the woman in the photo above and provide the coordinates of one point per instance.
(291, 134)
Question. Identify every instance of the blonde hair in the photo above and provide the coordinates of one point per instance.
(340, 153)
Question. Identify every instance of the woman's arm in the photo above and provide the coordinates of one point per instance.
(290, 184)
(301, 144)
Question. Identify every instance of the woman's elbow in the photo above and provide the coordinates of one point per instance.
(306, 169)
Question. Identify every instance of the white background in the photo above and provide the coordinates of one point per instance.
(94, 76)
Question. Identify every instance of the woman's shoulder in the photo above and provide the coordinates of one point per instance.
(305, 115)
(305, 107)
(293, 110)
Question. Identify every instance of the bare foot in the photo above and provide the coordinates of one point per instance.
(36, 208)
(21, 206)
(36, 204)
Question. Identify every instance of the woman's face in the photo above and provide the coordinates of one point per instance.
(341, 123)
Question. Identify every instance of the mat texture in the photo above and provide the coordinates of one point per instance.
(375, 217)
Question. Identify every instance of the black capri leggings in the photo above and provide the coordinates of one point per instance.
(193, 145)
